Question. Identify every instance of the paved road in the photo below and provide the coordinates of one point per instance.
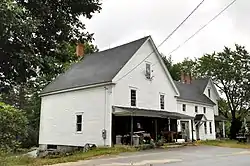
(187, 156)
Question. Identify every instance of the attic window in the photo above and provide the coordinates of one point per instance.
(162, 103)
(148, 70)
(209, 92)
(133, 97)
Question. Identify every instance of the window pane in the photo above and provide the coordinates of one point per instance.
(78, 118)
(209, 93)
(79, 127)
(204, 110)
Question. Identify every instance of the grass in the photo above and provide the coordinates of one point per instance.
(27, 161)
(225, 143)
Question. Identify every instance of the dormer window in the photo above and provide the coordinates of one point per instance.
(209, 92)
(148, 70)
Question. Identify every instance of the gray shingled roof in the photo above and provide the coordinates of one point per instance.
(194, 91)
(95, 68)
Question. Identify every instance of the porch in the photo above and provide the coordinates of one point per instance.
(220, 126)
(129, 122)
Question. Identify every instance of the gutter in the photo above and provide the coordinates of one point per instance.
(76, 88)
(195, 102)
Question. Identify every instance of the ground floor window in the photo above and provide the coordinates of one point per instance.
(205, 127)
(79, 122)
(210, 127)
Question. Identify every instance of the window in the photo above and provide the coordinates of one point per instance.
(79, 123)
(51, 146)
(205, 127)
(204, 110)
(196, 109)
(162, 103)
(148, 70)
(209, 92)
(183, 107)
(210, 127)
(133, 97)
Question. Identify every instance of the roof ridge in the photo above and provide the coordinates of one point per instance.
(122, 45)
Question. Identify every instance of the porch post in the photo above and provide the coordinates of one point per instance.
(192, 129)
(132, 129)
(223, 129)
(169, 127)
(156, 130)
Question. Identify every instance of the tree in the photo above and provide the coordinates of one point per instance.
(37, 42)
(186, 66)
(13, 126)
(230, 72)
(34, 36)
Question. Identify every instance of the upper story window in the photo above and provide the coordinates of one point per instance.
(183, 107)
(133, 97)
(148, 70)
(204, 110)
(162, 101)
(196, 109)
(209, 92)
(79, 122)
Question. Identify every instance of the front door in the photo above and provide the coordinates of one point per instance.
(185, 130)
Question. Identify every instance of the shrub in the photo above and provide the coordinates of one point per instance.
(13, 127)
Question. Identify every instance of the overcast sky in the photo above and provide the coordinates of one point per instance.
(121, 21)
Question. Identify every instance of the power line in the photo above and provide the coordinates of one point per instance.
(202, 27)
(164, 40)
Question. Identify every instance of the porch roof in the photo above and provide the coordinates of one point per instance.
(219, 118)
(128, 111)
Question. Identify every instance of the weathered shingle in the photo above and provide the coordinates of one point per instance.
(95, 68)
(194, 91)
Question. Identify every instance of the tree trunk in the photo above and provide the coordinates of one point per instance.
(233, 128)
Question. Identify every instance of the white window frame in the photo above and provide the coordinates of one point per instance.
(162, 104)
(205, 127)
(210, 128)
(209, 92)
(130, 96)
(196, 109)
(204, 110)
(184, 107)
(148, 73)
(76, 123)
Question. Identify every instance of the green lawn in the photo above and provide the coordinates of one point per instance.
(225, 143)
(27, 161)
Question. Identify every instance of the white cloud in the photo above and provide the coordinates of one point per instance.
(121, 21)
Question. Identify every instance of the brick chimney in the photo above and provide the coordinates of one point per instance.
(80, 49)
(186, 78)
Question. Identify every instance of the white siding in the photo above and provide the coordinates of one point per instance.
(190, 110)
(148, 92)
(58, 117)
(213, 96)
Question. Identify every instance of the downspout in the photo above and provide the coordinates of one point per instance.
(105, 115)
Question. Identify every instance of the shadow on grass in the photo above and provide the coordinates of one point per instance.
(225, 143)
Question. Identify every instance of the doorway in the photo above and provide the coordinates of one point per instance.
(185, 130)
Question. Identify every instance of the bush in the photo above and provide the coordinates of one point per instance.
(13, 127)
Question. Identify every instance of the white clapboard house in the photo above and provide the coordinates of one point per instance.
(119, 91)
